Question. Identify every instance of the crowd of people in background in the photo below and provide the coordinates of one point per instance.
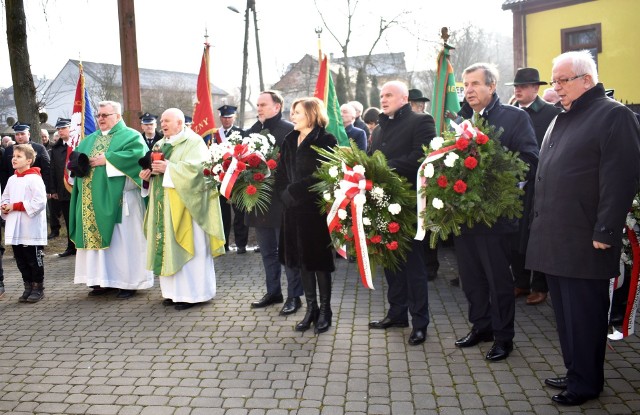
(582, 149)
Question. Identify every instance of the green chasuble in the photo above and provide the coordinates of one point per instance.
(96, 199)
(168, 221)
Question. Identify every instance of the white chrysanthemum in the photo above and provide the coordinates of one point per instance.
(429, 171)
(436, 143)
(437, 203)
(366, 221)
(378, 192)
(360, 199)
(450, 160)
(327, 196)
(359, 169)
(333, 171)
(394, 208)
(342, 214)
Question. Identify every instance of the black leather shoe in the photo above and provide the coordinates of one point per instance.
(267, 300)
(242, 250)
(432, 275)
(292, 305)
(53, 235)
(571, 399)
(418, 336)
(499, 351)
(98, 291)
(66, 253)
(184, 306)
(474, 337)
(455, 282)
(386, 322)
(167, 302)
(558, 383)
(124, 294)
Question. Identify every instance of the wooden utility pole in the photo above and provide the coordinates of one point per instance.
(132, 106)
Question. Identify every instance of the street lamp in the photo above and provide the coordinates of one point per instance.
(251, 6)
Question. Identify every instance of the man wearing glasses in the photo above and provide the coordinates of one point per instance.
(106, 209)
(586, 180)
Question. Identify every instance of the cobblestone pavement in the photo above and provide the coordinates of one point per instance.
(72, 354)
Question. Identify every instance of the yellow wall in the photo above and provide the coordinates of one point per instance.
(619, 61)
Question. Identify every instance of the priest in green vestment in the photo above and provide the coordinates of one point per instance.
(183, 222)
(107, 209)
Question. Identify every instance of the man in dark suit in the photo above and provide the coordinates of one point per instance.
(401, 136)
(150, 133)
(483, 252)
(585, 183)
(526, 85)
(267, 224)
(240, 230)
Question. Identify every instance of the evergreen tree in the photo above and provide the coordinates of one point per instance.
(361, 88)
(341, 88)
(374, 93)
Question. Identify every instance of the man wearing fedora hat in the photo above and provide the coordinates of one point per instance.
(417, 100)
(526, 86)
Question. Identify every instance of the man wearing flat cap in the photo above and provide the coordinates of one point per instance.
(149, 124)
(240, 230)
(526, 86)
(418, 101)
(60, 195)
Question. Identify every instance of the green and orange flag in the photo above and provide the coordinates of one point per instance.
(326, 92)
(445, 97)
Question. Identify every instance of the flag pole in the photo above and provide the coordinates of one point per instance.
(319, 33)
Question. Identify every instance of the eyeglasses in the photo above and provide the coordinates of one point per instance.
(104, 115)
(563, 82)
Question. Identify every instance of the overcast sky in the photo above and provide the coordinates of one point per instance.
(170, 34)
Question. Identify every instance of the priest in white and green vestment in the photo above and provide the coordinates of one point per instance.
(107, 209)
(183, 223)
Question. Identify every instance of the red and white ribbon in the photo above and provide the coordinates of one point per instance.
(353, 185)
(232, 172)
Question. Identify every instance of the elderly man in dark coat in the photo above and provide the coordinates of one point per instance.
(586, 180)
(400, 136)
(484, 253)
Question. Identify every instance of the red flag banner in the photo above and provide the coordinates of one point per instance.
(204, 123)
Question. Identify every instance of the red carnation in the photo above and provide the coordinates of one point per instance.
(239, 149)
(251, 190)
(462, 143)
(393, 227)
(376, 239)
(206, 172)
(460, 187)
(253, 161)
(470, 162)
(272, 164)
(348, 238)
(481, 138)
(258, 177)
(225, 164)
(241, 166)
(392, 246)
(338, 227)
(442, 181)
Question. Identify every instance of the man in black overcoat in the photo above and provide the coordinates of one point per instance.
(267, 225)
(400, 136)
(23, 136)
(484, 252)
(585, 183)
(526, 86)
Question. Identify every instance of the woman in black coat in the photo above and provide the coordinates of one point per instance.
(304, 236)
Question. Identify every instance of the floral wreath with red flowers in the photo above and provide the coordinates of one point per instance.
(243, 168)
(632, 226)
(370, 208)
(467, 177)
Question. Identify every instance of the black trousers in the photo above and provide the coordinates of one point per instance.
(64, 206)
(30, 262)
(524, 278)
(240, 230)
(408, 289)
(430, 255)
(581, 307)
(487, 282)
(54, 215)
